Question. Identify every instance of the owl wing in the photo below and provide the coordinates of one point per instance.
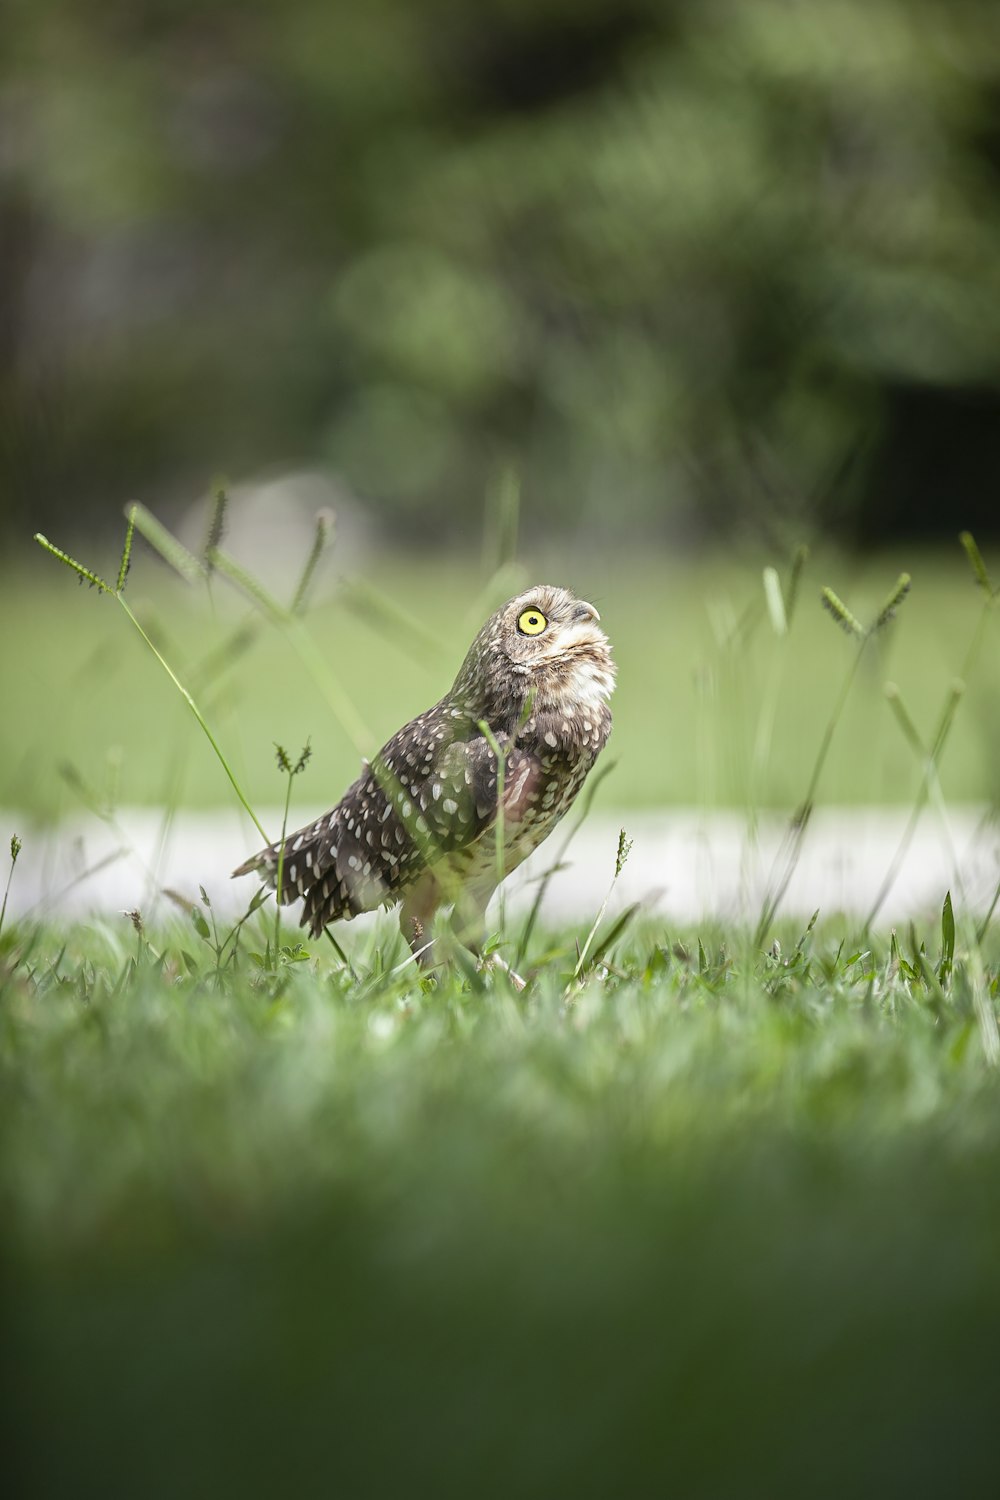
(463, 801)
(431, 791)
(441, 783)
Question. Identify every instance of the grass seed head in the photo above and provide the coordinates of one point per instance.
(840, 612)
(84, 575)
(895, 599)
(126, 561)
(217, 525)
(322, 538)
(799, 561)
(975, 557)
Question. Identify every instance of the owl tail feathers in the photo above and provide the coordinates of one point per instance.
(295, 874)
(265, 864)
(309, 868)
(256, 862)
(307, 862)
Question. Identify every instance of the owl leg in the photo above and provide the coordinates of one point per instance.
(469, 915)
(469, 923)
(496, 962)
(470, 929)
(415, 916)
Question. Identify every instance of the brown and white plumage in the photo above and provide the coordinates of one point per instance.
(422, 823)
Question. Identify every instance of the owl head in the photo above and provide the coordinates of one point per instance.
(544, 644)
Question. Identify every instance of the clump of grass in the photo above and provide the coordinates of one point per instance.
(375, 1181)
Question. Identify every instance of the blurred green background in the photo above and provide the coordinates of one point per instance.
(713, 708)
(697, 271)
(700, 281)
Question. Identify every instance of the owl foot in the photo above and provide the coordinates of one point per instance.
(496, 962)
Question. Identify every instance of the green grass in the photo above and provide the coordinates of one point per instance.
(711, 1222)
(705, 1214)
(696, 722)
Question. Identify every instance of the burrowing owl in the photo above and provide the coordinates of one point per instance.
(437, 817)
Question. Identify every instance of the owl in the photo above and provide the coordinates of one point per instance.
(463, 793)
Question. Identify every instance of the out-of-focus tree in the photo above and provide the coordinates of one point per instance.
(681, 263)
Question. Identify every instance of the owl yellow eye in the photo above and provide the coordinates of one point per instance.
(531, 622)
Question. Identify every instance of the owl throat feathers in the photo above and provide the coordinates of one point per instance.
(560, 698)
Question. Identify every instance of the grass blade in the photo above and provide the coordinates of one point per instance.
(775, 602)
(947, 941)
(162, 541)
(249, 585)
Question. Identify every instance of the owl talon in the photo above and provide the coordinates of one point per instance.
(496, 962)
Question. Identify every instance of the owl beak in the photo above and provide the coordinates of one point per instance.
(585, 611)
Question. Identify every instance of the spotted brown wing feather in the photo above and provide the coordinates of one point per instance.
(419, 799)
(429, 797)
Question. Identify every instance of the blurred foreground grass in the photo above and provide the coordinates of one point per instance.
(712, 708)
(713, 1223)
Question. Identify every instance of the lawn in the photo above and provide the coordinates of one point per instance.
(704, 1221)
(697, 1213)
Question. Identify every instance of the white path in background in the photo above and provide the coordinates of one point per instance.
(685, 865)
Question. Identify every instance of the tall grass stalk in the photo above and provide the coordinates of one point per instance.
(87, 575)
(985, 1015)
(500, 867)
(981, 930)
(593, 782)
(505, 576)
(780, 600)
(787, 858)
(15, 849)
(983, 581)
(202, 721)
(622, 853)
(395, 624)
(215, 560)
(291, 770)
(291, 627)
